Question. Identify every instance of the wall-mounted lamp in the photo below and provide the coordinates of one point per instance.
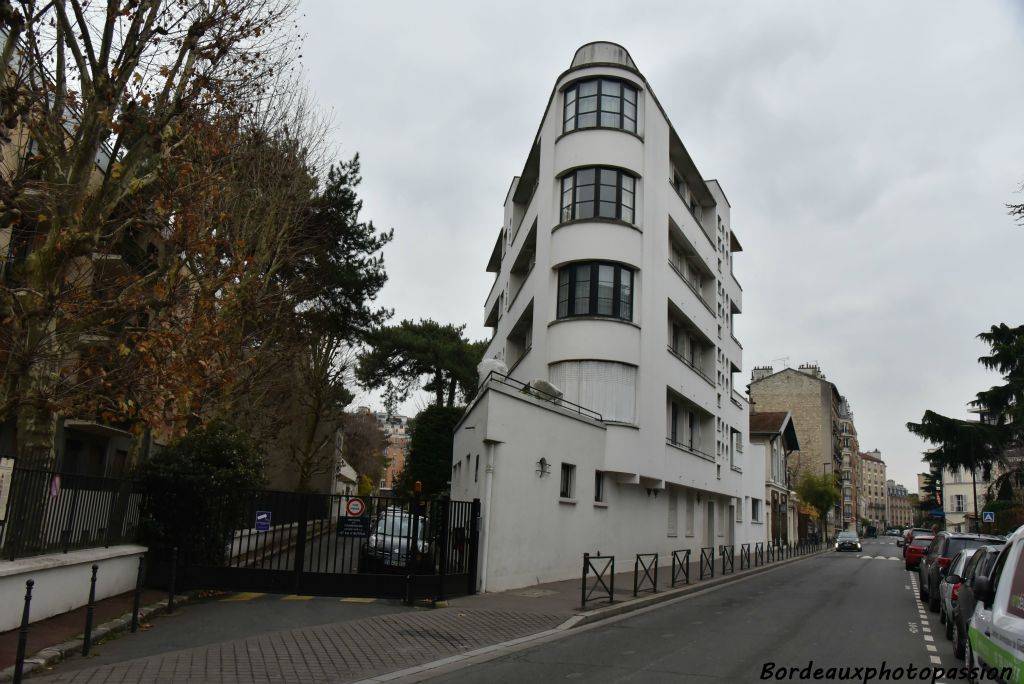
(543, 467)
(652, 491)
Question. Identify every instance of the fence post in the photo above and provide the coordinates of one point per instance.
(138, 594)
(174, 574)
(442, 569)
(583, 586)
(89, 612)
(636, 569)
(19, 662)
(474, 545)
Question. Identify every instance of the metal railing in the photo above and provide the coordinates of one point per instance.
(728, 559)
(687, 447)
(645, 572)
(690, 365)
(681, 566)
(603, 569)
(54, 512)
(525, 388)
(707, 561)
(758, 554)
(744, 556)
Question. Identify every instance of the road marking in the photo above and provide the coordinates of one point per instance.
(929, 637)
(242, 596)
(926, 629)
(357, 599)
(296, 597)
(935, 659)
(931, 648)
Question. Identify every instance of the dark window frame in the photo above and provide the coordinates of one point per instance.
(569, 186)
(620, 311)
(571, 99)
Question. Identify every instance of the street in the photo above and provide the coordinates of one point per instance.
(835, 610)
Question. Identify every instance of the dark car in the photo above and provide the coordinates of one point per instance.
(847, 541)
(909, 534)
(912, 553)
(387, 548)
(981, 563)
(937, 558)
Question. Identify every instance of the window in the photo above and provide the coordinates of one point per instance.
(598, 486)
(600, 192)
(600, 103)
(476, 469)
(595, 289)
(567, 490)
(755, 510)
(607, 387)
(959, 503)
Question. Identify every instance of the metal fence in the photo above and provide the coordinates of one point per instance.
(54, 512)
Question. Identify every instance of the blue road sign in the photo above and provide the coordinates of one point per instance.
(262, 521)
(988, 516)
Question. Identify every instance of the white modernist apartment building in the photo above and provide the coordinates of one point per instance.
(613, 283)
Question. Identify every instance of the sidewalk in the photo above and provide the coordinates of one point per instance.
(390, 645)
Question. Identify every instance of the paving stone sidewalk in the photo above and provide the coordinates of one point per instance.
(327, 653)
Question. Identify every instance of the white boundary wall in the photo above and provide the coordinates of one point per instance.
(62, 581)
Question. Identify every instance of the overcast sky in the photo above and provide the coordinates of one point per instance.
(867, 149)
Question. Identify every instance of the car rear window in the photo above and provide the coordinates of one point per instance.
(957, 545)
(921, 542)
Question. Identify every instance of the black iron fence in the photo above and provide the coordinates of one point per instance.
(681, 566)
(744, 556)
(758, 554)
(603, 570)
(707, 561)
(727, 553)
(645, 573)
(54, 512)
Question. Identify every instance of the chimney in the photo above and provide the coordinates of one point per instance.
(760, 372)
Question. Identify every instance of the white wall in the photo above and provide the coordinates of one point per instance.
(62, 581)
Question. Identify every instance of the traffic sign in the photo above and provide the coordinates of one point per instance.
(355, 507)
(353, 527)
(988, 516)
(262, 521)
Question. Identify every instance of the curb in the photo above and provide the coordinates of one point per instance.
(585, 620)
(51, 655)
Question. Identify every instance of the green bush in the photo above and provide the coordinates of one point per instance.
(199, 490)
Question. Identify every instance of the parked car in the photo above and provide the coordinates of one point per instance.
(981, 563)
(847, 541)
(387, 547)
(912, 554)
(893, 532)
(939, 554)
(949, 588)
(910, 533)
(995, 632)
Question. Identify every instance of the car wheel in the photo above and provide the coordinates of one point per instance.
(922, 592)
(933, 601)
(958, 641)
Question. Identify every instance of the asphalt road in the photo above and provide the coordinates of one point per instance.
(832, 611)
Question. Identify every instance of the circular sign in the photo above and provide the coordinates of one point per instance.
(355, 507)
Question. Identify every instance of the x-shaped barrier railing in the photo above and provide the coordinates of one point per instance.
(681, 566)
(707, 561)
(744, 556)
(603, 568)
(728, 558)
(758, 554)
(645, 572)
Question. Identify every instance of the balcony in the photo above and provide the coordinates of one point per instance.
(686, 362)
(689, 449)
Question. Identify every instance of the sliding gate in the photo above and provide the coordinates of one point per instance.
(342, 545)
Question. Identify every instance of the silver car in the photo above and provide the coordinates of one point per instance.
(948, 589)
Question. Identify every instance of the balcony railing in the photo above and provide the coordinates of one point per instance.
(692, 287)
(523, 387)
(691, 449)
(688, 364)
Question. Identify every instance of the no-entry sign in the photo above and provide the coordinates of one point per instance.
(355, 507)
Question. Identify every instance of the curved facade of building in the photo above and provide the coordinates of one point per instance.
(613, 283)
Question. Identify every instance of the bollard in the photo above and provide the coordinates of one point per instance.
(174, 572)
(89, 612)
(19, 662)
(138, 594)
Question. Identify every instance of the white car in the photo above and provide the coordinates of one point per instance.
(948, 590)
(995, 634)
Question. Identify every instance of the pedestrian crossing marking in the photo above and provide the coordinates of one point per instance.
(356, 599)
(296, 597)
(242, 596)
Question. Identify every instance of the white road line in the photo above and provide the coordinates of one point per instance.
(926, 629)
(929, 637)
(935, 659)
(931, 648)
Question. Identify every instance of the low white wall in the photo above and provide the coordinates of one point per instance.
(62, 581)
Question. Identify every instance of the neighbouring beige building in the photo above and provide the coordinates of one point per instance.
(396, 428)
(815, 405)
(849, 481)
(873, 492)
(900, 511)
(775, 434)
